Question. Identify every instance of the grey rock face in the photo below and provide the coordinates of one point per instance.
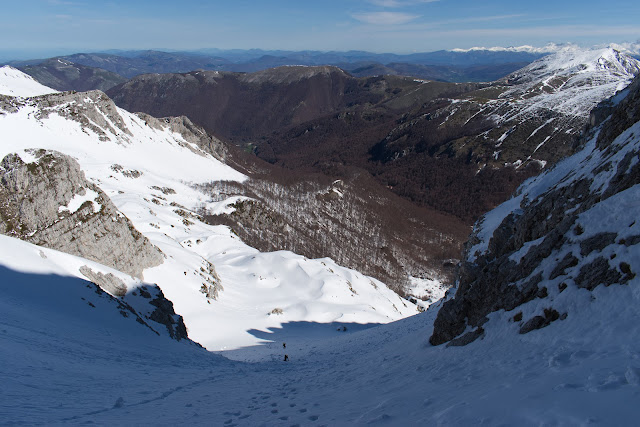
(108, 282)
(542, 246)
(50, 203)
(164, 314)
(190, 132)
(146, 304)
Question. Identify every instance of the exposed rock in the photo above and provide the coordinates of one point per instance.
(597, 243)
(467, 338)
(597, 273)
(108, 282)
(567, 262)
(190, 132)
(165, 315)
(538, 322)
(50, 203)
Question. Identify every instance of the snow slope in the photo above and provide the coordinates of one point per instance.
(149, 172)
(538, 111)
(16, 83)
(66, 364)
(571, 81)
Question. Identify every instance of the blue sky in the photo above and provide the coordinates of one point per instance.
(32, 27)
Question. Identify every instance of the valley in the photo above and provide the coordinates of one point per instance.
(308, 245)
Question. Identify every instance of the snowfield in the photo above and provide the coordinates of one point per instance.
(14, 82)
(65, 362)
(571, 81)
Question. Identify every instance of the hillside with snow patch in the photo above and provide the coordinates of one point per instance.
(571, 81)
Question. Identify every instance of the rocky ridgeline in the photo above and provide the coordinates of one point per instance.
(573, 226)
(190, 132)
(96, 112)
(290, 74)
(50, 203)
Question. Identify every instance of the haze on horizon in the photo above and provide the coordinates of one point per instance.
(40, 28)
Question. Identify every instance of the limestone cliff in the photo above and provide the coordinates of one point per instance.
(49, 202)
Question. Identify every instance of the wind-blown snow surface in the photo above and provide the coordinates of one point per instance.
(148, 173)
(16, 83)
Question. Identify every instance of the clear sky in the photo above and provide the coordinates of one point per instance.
(50, 27)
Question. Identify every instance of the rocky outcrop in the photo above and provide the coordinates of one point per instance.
(108, 282)
(146, 303)
(49, 202)
(164, 314)
(97, 113)
(190, 132)
(565, 228)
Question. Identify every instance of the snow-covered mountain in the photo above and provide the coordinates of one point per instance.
(571, 81)
(533, 115)
(14, 82)
(148, 169)
(548, 48)
(628, 48)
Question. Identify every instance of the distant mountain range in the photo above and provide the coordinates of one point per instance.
(443, 65)
(103, 70)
